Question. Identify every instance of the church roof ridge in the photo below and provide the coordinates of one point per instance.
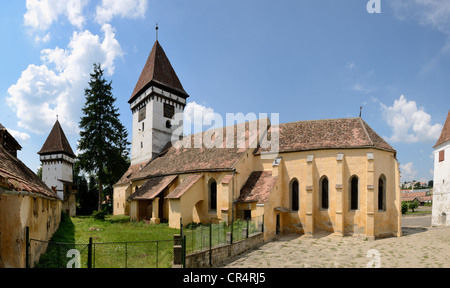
(56, 142)
(158, 71)
(445, 133)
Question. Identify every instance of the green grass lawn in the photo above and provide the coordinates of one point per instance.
(109, 237)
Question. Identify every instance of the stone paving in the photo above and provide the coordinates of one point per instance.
(418, 247)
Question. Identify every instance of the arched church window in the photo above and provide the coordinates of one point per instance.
(382, 193)
(354, 187)
(295, 203)
(324, 189)
(212, 195)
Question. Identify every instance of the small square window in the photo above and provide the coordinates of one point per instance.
(142, 113)
(169, 110)
(441, 155)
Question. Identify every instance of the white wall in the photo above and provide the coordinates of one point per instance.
(150, 142)
(441, 186)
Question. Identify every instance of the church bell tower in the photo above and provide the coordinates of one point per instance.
(156, 99)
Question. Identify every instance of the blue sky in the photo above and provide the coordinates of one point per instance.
(303, 59)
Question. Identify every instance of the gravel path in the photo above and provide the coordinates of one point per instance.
(418, 247)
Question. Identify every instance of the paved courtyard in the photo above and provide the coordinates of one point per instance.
(420, 246)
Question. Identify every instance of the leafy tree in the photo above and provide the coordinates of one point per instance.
(103, 138)
(413, 205)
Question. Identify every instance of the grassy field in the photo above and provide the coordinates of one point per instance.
(144, 247)
(113, 229)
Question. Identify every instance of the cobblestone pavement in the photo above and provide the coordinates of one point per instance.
(418, 247)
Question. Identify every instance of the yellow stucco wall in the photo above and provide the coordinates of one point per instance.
(366, 164)
(41, 215)
(366, 220)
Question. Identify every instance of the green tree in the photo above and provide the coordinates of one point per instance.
(103, 138)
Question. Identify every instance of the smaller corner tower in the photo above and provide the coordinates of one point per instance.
(57, 159)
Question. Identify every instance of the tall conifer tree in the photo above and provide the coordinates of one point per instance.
(103, 138)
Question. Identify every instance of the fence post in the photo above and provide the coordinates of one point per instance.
(184, 251)
(231, 238)
(27, 247)
(246, 236)
(89, 264)
(210, 243)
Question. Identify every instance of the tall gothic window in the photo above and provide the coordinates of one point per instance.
(212, 195)
(354, 183)
(324, 193)
(382, 193)
(295, 196)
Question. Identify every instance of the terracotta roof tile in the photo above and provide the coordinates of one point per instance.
(57, 142)
(445, 134)
(152, 188)
(130, 173)
(184, 186)
(16, 176)
(258, 187)
(328, 134)
(158, 71)
(191, 160)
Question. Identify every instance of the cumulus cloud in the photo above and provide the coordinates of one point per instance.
(19, 136)
(408, 172)
(123, 8)
(57, 86)
(196, 115)
(42, 13)
(409, 123)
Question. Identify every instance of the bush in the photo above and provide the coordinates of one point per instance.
(100, 215)
(404, 207)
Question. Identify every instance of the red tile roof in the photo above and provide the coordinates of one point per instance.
(56, 142)
(152, 188)
(328, 134)
(258, 187)
(158, 71)
(184, 186)
(16, 176)
(130, 173)
(445, 134)
(177, 160)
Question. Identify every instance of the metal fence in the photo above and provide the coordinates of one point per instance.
(201, 237)
(139, 254)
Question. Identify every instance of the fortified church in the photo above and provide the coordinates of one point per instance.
(334, 175)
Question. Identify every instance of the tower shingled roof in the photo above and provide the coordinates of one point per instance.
(57, 142)
(445, 134)
(159, 72)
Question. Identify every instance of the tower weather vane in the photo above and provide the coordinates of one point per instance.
(156, 28)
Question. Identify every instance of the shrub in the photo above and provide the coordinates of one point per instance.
(404, 207)
(100, 215)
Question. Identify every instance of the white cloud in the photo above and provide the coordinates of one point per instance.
(19, 136)
(42, 39)
(42, 13)
(409, 123)
(408, 173)
(123, 8)
(196, 114)
(57, 86)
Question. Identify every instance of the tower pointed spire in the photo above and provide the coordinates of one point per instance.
(158, 72)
